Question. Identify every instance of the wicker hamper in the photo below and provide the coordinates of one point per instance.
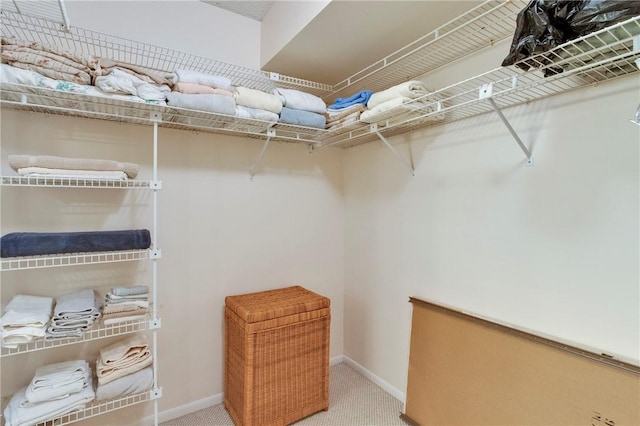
(276, 356)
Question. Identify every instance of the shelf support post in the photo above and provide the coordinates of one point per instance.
(374, 129)
(486, 91)
(270, 133)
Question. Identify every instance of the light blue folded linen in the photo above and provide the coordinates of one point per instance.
(219, 104)
(302, 118)
(130, 384)
(362, 97)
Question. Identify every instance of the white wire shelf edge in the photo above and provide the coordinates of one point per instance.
(593, 59)
(74, 259)
(480, 27)
(98, 331)
(97, 408)
(72, 182)
(44, 100)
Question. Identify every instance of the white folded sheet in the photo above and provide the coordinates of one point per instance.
(215, 81)
(296, 99)
(73, 174)
(58, 380)
(256, 114)
(18, 415)
(409, 89)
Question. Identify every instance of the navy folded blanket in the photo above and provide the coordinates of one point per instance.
(41, 243)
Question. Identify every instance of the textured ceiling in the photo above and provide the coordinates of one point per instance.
(251, 9)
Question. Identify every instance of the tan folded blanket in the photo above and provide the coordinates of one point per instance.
(145, 74)
(135, 312)
(50, 62)
(50, 162)
(124, 357)
(253, 98)
(409, 89)
(343, 112)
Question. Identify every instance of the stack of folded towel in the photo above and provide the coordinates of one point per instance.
(301, 108)
(47, 165)
(118, 364)
(407, 96)
(202, 92)
(125, 304)
(55, 390)
(25, 318)
(345, 111)
(73, 314)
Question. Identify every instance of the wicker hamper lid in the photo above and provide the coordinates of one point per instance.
(266, 305)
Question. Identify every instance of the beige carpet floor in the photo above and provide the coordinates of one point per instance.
(353, 401)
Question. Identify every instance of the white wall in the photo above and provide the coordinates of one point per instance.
(552, 248)
(220, 234)
(284, 20)
(186, 26)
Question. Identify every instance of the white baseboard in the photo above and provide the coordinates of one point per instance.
(210, 401)
(397, 394)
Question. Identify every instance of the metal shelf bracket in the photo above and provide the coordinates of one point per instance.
(407, 163)
(486, 92)
(270, 134)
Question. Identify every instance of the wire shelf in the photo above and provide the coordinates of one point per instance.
(71, 182)
(481, 27)
(601, 56)
(37, 262)
(98, 408)
(98, 331)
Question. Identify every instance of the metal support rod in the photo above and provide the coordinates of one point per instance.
(396, 153)
(513, 132)
(270, 134)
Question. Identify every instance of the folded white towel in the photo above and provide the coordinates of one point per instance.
(256, 114)
(51, 162)
(80, 304)
(130, 384)
(389, 109)
(71, 174)
(409, 89)
(215, 81)
(59, 380)
(121, 319)
(296, 99)
(13, 337)
(257, 99)
(25, 310)
(16, 414)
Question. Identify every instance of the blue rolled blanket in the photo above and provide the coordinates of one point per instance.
(302, 118)
(362, 97)
(41, 243)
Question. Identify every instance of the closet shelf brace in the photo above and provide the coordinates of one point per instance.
(270, 134)
(486, 92)
(374, 129)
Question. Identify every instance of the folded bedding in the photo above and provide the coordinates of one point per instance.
(50, 62)
(190, 76)
(258, 99)
(19, 412)
(44, 243)
(71, 174)
(148, 75)
(401, 105)
(409, 89)
(17, 162)
(219, 104)
(194, 89)
(302, 118)
(59, 380)
(256, 114)
(297, 99)
(13, 75)
(130, 384)
(122, 358)
(362, 97)
(337, 114)
(121, 82)
(130, 291)
(25, 318)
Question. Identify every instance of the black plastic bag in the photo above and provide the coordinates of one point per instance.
(545, 24)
